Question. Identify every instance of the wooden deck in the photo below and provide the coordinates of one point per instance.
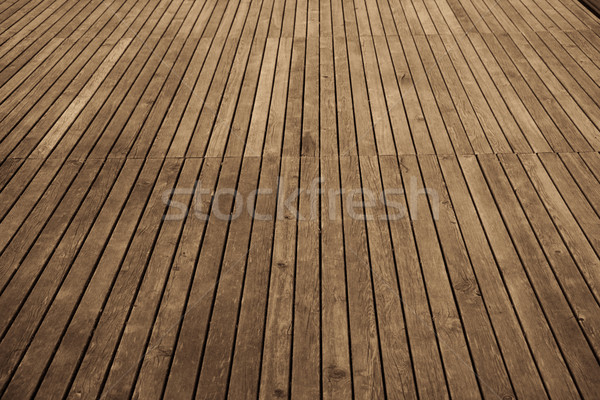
(385, 198)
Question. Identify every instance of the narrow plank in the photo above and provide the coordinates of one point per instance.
(592, 160)
(18, 182)
(576, 14)
(274, 133)
(367, 374)
(149, 89)
(60, 127)
(68, 51)
(418, 78)
(223, 93)
(363, 21)
(306, 340)
(400, 117)
(13, 77)
(310, 109)
(336, 370)
(584, 77)
(53, 109)
(258, 27)
(265, 102)
(24, 32)
(344, 109)
(418, 126)
(164, 130)
(584, 176)
(293, 118)
(278, 330)
(148, 139)
(12, 8)
(85, 44)
(365, 131)
(8, 171)
(481, 105)
(379, 108)
(572, 234)
(199, 96)
(139, 86)
(328, 130)
(236, 107)
(583, 99)
(572, 48)
(561, 95)
(569, 194)
(179, 123)
(517, 106)
(552, 107)
(455, 123)
(429, 82)
(58, 26)
(464, 107)
(247, 105)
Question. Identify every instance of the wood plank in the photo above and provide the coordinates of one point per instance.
(365, 350)
(310, 140)
(583, 175)
(33, 118)
(306, 334)
(278, 331)
(336, 367)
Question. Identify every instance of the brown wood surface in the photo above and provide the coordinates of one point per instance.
(299, 199)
